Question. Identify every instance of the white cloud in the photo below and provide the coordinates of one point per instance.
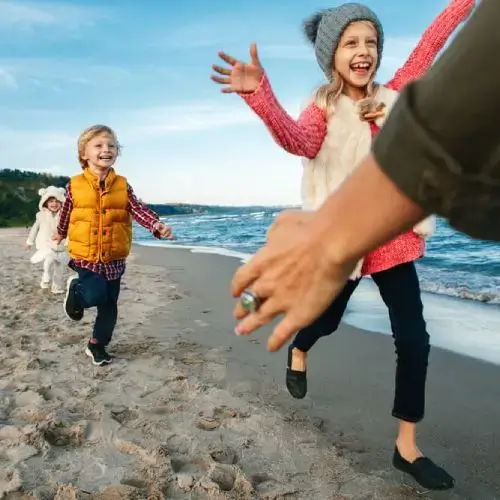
(7, 79)
(49, 71)
(15, 140)
(30, 15)
(294, 52)
(228, 30)
(396, 52)
(18, 144)
(54, 73)
(189, 117)
(51, 169)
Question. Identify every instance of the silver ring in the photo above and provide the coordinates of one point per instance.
(250, 301)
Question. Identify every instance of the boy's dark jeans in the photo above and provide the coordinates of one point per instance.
(400, 290)
(95, 291)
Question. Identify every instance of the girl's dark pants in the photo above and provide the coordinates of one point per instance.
(400, 290)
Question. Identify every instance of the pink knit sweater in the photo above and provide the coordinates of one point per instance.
(304, 136)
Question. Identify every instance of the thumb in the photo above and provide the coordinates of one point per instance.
(253, 55)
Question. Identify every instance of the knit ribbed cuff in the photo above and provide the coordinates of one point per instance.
(259, 99)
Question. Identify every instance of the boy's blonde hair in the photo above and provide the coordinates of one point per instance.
(327, 95)
(88, 134)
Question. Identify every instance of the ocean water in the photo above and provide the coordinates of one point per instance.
(460, 276)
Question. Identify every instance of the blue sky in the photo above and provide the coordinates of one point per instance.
(143, 68)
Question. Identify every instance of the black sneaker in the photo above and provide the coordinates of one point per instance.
(98, 354)
(72, 307)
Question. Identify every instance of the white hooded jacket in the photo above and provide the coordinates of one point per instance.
(46, 225)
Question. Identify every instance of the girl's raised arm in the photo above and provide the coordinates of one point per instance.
(301, 137)
(431, 42)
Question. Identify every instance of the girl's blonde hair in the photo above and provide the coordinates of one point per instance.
(327, 95)
(88, 134)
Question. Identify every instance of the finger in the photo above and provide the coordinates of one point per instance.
(270, 231)
(283, 332)
(221, 70)
(227, 58)
(266, 313)
(246, 275)
(239, 312)
(224, 80)
(260, 290)
(228, 90)
(253, 54)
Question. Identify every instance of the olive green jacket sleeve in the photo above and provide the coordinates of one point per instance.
(441, 143)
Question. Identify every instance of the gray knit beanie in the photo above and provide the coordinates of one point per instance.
(324, 29)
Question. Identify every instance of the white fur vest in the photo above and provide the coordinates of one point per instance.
(347, 142)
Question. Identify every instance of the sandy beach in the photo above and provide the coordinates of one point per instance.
(189, 410)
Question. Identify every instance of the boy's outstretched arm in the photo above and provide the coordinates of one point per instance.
(146, 217)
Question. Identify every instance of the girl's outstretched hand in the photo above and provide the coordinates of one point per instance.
(239, 76)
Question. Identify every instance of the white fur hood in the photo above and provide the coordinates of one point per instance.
(50, 192)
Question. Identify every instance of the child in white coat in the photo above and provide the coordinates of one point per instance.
(53, 255)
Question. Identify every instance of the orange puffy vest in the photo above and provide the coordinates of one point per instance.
(100, 226)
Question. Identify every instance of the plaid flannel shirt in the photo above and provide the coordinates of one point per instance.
(112, 270)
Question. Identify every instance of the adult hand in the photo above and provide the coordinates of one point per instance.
(165, 231)
(294, 274)
(239, 76)
(299, 218)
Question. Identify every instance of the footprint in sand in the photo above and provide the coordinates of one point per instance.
(224, 456)
(122, 414)
(132, 351)
(25, 342)
(207, 423)
(219, 414)
(56, 434)
(224, 476)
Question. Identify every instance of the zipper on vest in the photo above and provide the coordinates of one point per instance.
(100, 191)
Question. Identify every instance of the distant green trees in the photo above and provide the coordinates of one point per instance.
(19, 195)
(19, 198)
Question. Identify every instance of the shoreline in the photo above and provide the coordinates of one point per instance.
(474, 334)
(244, 256)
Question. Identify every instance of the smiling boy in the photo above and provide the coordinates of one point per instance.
(96, 219)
